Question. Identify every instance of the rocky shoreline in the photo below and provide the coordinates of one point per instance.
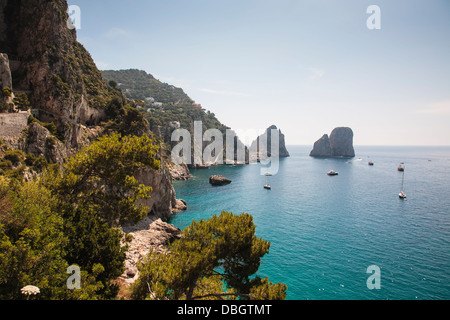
(149, 234)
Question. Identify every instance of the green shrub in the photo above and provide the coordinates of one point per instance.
(6, 92)
(3, 106)
(15, 156)
(30, 159)
(5, 165)
(40, 163)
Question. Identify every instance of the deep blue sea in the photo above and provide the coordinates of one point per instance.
(326, 231)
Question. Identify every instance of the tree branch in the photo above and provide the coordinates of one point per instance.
(220, 295)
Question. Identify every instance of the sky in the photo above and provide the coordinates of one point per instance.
(306, 66)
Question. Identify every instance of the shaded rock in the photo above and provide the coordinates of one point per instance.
(341, 141)
(180, 205)
(339, 144)
(5, 72)
(163, 196)
(218, 180)
(40, 142)
(180, 172)
(322, 147)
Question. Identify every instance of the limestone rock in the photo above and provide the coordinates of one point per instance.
(341, 141)
(5, 72)
(163, 197)
(322, 147)
(40, 142)
(339, 144)
(180, 205)
(218, 180)
(57, 73)
(180, 172)
(148, 234)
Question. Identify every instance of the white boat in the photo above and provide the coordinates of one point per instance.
(332, 173)
(267, 185)
(402, 194)
(268, 174)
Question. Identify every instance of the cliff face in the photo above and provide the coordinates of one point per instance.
(339, 144)
(322, 147)
(162, 198)
(5, 72)
(56, 72)
(63, 85)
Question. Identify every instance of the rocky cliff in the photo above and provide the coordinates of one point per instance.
(322, 147)
(5, 72)
(339, 144)
(56, 72)
(64, 87)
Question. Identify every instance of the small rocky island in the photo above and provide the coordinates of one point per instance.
(258, 151)
(219, 180)
(338, 145)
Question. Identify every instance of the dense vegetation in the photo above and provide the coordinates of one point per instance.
(140, 85)
(68, 214)
(214, 259)
(177, 109)
(69, 217)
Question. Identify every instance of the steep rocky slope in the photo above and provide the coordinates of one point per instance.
(56, 72)
(65, 89)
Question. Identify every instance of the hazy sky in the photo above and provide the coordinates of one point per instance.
(306, 66)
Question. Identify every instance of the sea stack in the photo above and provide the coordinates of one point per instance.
(259, 150)
(338, 145)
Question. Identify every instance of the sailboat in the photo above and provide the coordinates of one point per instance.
(402, 194)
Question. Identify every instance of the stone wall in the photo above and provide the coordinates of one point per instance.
(11, 127)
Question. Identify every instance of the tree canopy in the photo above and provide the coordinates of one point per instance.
(215, 259)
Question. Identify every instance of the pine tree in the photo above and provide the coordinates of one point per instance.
(215, 259)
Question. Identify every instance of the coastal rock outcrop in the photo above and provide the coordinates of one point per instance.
(180, 205)
(148, 234)
(40, 142)
(180, 172)
(5, 72)
(163, 197)
(260, 150)
(218, 180)
(322, 147)
(339, 144)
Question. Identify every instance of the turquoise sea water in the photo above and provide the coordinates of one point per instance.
(326, 231)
